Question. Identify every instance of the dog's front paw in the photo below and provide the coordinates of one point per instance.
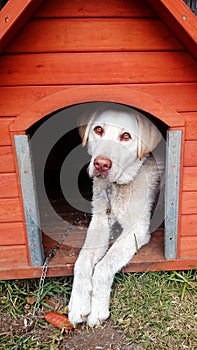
(100, 298)
(79, 306)
(99, 312)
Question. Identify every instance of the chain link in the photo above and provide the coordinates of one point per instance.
(30, 324)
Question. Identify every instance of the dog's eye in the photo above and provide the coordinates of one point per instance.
(99, 130)
(125, 137)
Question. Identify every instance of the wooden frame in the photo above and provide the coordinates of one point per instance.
(88, 51)
(72, 96)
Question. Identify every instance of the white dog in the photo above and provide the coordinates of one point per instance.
(126, 177)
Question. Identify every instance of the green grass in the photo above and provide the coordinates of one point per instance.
(155, 310)
(14, 294)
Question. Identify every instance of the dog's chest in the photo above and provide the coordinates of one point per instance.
(118, 197)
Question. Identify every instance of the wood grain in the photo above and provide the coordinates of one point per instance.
(12, 233)
(93, 8)
(181, 97)
(190, 153)
(190, 179)
(189, 202)
(8, 185)
(97, 68)
(172, 12)
(4, 130)
(191, 124)
(81, 94)
(10, 210)
(13, 256)
(84, 35)
(188, 226)
(188, 247)
(6, 160)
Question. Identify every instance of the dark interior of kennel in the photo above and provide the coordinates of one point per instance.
(52, 229)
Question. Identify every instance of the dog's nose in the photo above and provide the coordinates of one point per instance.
(102, 163)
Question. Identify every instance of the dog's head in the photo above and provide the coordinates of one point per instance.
(116, 139)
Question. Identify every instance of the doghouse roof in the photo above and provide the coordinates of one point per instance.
(174, 13)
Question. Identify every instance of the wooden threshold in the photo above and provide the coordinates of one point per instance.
(67, 254)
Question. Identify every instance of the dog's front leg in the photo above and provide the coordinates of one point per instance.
(118, 256)
(94, 248)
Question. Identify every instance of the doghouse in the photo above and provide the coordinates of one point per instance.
(60, 57)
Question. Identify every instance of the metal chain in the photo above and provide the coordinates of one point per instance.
(30, 324)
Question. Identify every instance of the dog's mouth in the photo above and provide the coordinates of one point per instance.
(102, 174)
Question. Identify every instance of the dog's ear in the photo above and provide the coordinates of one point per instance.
(83, 132)
(85, 125)
(148, 136)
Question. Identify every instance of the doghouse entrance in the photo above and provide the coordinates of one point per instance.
(59, 190)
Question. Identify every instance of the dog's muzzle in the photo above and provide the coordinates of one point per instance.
(102, 165)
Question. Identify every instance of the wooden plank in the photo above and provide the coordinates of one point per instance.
(12, 233)
(4, 131)
(8, 185)
(83, 35)
(24, 271)
(12, 18)
(6, 160)
(188, 247)
(181, 97)
(191, 124)
(82, 94)
(97, 68)
(188, 225)
(12, 100)
(190, 153)
(189, 202)
(13, 256)
(10, 210)
(93, 8)
(190, 179)
(180, 20)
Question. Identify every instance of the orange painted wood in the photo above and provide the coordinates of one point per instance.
(10, 210)
(190, 179)
(85, 35)
(24, 271)
(4, 131)
(13, 256)
(81, 94)
(8, 185)
(181, 97)
(6, 160)
(188, 225)
(189, 202)
(12, 100)
(97, 68)
(12, 233)
(12, 18)
(188, 247)
(191, 124)
(93, 8)
(150, 258)
(180, 20)
(190, 153)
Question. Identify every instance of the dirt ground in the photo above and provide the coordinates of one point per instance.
(104, 337)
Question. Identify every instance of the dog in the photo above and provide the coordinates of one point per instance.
(127, 172)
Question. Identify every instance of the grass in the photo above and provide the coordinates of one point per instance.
(154, 310)
(157, 310)
(17, 299)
